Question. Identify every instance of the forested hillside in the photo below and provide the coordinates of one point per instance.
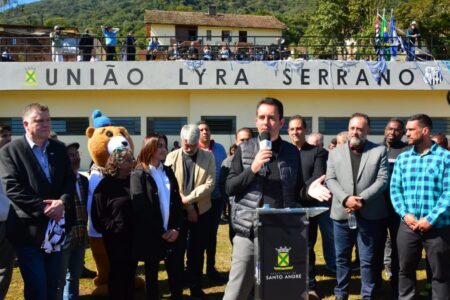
(326, 18)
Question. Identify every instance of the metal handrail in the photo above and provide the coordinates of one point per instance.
(31, 48)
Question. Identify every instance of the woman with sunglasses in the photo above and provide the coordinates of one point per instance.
(157, 215)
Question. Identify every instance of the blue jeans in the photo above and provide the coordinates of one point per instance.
(71, 269)
(40, 272)
(368, 235)
(322, 221)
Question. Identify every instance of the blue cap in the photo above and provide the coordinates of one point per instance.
(100, 120)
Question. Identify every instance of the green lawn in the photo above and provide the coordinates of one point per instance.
(325, 281)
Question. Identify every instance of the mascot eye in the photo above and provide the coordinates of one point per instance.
(109, 134)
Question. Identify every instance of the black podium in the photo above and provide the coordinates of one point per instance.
(281, 252)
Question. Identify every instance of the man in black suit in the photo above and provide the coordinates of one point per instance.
(38, 179)
(76, 242)
(313, 164)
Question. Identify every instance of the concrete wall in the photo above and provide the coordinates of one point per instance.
(262, 36)
(255, 36)
(240, 103)
(160, 30)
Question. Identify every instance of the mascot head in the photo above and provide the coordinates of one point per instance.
(104, 138)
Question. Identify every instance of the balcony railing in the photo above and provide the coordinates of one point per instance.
(32, 48)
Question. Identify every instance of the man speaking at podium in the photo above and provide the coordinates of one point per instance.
(264, 170)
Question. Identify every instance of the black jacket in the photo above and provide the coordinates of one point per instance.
(313, 162)
(26, 184)
(147, 217)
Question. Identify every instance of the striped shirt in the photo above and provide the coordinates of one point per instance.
(420, 185)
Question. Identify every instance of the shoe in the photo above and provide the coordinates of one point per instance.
(214, 275)
(198, 294)
(387, 272)
(86, 273)
(312, 295)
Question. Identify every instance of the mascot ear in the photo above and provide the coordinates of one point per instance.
(90, 131)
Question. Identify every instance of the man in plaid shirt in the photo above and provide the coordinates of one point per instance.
(420, 194)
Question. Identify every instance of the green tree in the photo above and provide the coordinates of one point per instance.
(327, 29)
(433, 17)
(60, 21)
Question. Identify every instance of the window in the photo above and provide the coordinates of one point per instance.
(192, 35)
(284, 129)
(70, 126)
(132, 124)
(62, 126)
(166, 125)
(226, 36)
(15, 123)
(243, 36)
(221, 124)
(208, 35)
(441, 125)
(334, 125)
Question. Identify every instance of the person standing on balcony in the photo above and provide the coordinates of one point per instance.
(85, 45)
(412, 38)
(57, 44)
(110, 35)
(131, 46)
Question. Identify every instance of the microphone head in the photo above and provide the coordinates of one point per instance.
(265, 135)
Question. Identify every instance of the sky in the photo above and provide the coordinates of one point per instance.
(18, 2)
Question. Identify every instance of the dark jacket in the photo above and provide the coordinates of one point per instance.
(293, 187)
(26, 184)
(313, 161)
(147, 217)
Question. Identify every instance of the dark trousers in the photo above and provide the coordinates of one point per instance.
(174, 267)
(326, 228)
(195, 246)
(437, 247)
(216, 213)
(6, 261)
(368, 235)
(123, 266)
(131, 56)
(390, 229)
(86, 54)
(41, 272)
(110, 53)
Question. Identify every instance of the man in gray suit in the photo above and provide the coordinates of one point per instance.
(357, 175)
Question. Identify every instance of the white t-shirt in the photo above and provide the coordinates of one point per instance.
(94, 180)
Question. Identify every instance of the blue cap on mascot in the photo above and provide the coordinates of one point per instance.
(100, 120)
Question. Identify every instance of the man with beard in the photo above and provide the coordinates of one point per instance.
(420, 193)
(357, 175)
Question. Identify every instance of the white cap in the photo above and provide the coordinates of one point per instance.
(413, 23)
(57, 27)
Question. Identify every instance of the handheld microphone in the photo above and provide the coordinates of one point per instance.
(265, 143)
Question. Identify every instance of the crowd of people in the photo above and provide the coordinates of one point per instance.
(193, 50)
(388, 200)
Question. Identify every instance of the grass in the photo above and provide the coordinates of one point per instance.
(326, 281)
